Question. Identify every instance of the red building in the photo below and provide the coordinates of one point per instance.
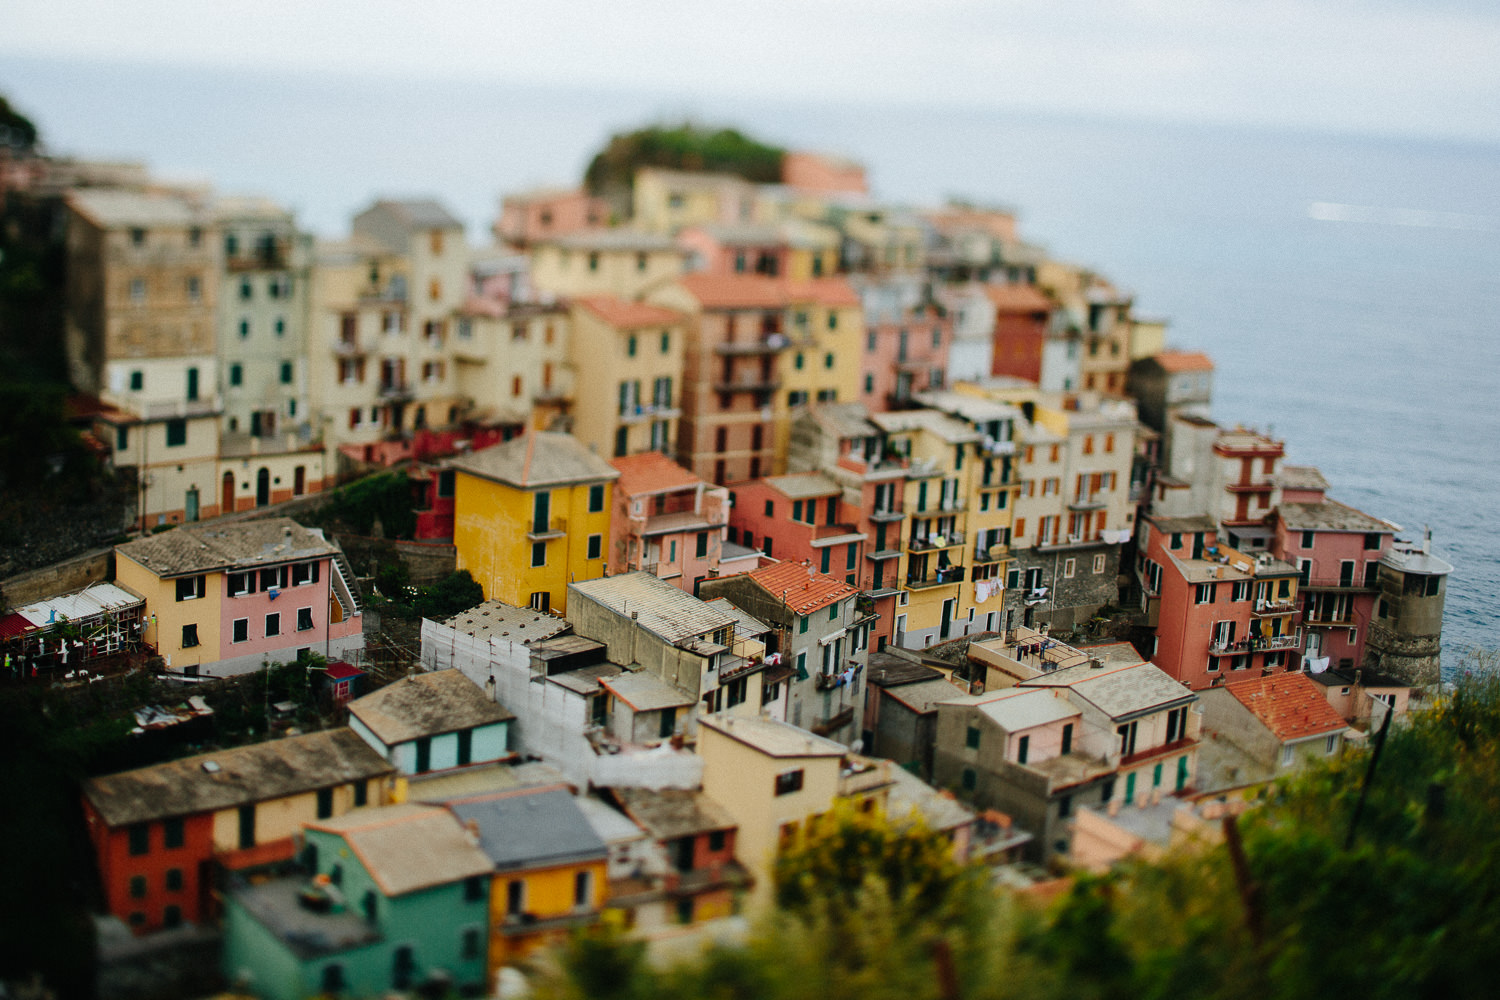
(160, 832)
(800, 518)
(1022, 315)
(1218, 614)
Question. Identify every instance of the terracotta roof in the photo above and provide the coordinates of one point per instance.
(735, 291)
(652, 472)
(1291, 705)
(806, 589)
(1185, 361)
(625, 315)
(824, 291)
(1017, 298)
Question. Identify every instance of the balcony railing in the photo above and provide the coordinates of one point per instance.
(762, 384)
(648, 411)
(554, 528)
(395, 390)
(952, 574)
(990, 553)
(1276, 606)
(887, 515)
(1256, 644)
(929, 543)
(1087, 502)
(768, 344)
(1336, 583)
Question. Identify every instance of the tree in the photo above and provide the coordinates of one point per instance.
(16, 130)
(681, 147)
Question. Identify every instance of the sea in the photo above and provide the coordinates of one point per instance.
(1347, 285)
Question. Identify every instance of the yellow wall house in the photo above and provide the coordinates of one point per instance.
(771, 777)
(532, 515)
(550, 866)
(628, 359)
(825, 324)
(622, 262)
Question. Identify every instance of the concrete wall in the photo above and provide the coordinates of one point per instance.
(65, 577)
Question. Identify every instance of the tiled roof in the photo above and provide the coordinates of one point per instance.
(805, 589)
(625, 315)
(673, 614)
(823, 291)
(538, 458)
(1185, 361)
(1017, 298)
(1290, 705)
(1329, 515)
(614, 239)
(1301, 477)
(645, 692)
(225, 779)
(443, 701)
(652, 472)
(109, 208)
(775, 739)
(669, 813)
(749, 624)
(409, 847)
(233, 545)
(421, 213)
(736, 291)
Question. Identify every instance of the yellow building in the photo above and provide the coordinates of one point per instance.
(625, 263)
(628, 359)
(550, 866)
(824, 327)
(532, 515)
(664, 201)
(772, 777)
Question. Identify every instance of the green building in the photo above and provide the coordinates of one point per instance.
(399, 900)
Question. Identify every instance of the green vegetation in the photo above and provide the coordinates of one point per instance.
(16, 130)
(382, 501)
(454, 593)
(681, 147)
(1411, 909)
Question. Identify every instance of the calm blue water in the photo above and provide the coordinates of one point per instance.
(1371, 347)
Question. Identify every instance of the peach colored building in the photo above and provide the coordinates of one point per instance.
(823, 174)
(545, 213)
(1022, 317)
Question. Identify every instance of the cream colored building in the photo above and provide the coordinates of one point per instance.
(512, 364)
(625, 263)
(772, 777)
(628, 360)
(664, 201)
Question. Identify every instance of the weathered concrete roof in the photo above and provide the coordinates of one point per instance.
(775, 739)
(748, 623)
(111, 208)
(801, 485)
(669, 813)
(224, 546)
(1120, 691)
(1023, 709)
(277, 905)
(443, 701)
(496, 619)
(226, 779)
(531, 828)
(409, 846)
(910, 794)
(1330, 515)
(673, 614)
(645, 692)
(538, 458)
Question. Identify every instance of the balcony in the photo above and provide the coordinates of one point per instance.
(761, 384)
(768, 344)
(1336, 583)
(1087, 502)
(1256, 644)
(1276, 606)
(887, 516)
(348, 348)
(990, 553)
(953, 504)
(180, 408)
(1329, 616)
(930, 543)
(639, 412)
(939, 578)
(396, 390)
(265, 257)
(557, 527)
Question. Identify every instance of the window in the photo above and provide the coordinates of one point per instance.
(802, 624)
(583, 884)
(788, 782)
(189, 588)
(1176, 724)
(240, 630)
(244, 329)
(596, 499)
(1307, 539)
(304, 619)
(474, 889)
(176, 433)
(403, 966)
(828, 361)
(1331, 744)
(304, 573)
(515, 897)
(1069, 565)
(701, 548)
(630, 345)
(1023, 749)
(273, 624)
(189, 636)
(596, 546)
(286, 373)
(1240, 591)
(137, 886)
(1067, 739)
(361, 794)
(1287, 756)
(236, 374)
(538, 553)
(970, 779)
(424, 754)
(138, 289)
(1127, 740)
(469, 943)
(139, 836)
(325, 803)
(1099, 563)
(172, 833)
(247, 826)
(833, 613)
(1205, 593)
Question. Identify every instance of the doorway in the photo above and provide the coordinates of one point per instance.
(227, 506)
(190, 505)
(263, 487)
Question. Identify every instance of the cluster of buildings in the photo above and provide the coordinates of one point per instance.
(779, 496)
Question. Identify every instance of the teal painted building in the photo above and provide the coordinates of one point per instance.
(399, 900)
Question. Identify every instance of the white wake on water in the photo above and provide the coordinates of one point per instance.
(1333, 211)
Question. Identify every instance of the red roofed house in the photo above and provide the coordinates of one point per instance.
(1170, 383)
(820, 630)
(1262, 727)
(670, 523)
(627, 362)
(1022, 314)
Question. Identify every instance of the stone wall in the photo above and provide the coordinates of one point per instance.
(64, 577)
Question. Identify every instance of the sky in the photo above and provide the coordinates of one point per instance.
(1426, 68)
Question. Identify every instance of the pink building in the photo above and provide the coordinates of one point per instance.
(744, 248)
(821, 174)
(1219, 614)
(907, 340)
(1336, 551)
(669, 522)
(546, 213)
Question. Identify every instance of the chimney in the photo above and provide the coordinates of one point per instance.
(1095, 663)
(489, 688)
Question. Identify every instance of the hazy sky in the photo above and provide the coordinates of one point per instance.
(1427, 67)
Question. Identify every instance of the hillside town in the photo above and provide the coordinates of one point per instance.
(782, 499)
